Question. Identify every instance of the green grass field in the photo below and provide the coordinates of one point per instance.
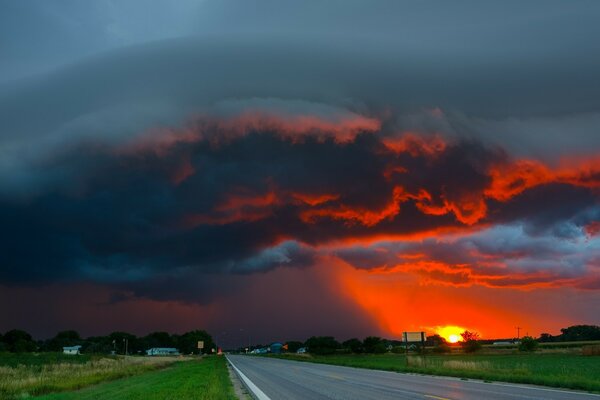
(28, 374)
(570, 371)
(199, 379)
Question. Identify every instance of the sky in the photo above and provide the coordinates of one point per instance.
(272, 170)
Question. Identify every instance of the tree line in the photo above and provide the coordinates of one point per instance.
(19, 341)
(470, 342)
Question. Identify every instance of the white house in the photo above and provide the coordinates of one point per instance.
(71, 350)
(162, 351)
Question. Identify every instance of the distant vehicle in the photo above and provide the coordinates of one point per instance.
(301, 350)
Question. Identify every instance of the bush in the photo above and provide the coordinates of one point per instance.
(528, 344)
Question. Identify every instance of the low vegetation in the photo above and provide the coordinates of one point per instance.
(573, 371)
(28, 374)
(200, 379)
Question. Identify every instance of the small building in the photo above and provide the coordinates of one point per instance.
(162, 351)
(72, 350)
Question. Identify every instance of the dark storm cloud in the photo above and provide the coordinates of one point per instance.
(135, 165)
(209, 201)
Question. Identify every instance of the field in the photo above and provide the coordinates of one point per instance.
(572, 371)
(27, 375)
(205, 379)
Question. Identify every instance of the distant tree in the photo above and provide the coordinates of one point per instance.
(580, 332)
(322, 345)
(435, 340)
(19, 341)
(470, 341)
(62, 339)
(439, 344)
(188, 342)
(354, 345)
(528, 344)
(374, 344)
(293, 346)
(546, 337)
(158, 339)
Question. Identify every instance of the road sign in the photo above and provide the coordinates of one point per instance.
(200, 344)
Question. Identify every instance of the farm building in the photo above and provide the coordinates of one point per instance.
(162, 351)
(72, 350)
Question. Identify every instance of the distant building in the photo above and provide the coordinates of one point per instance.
(72, 350)
(162, 351)
(301, 350)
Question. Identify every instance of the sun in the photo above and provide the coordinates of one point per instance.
(450, 332)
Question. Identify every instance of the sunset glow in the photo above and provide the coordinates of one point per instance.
(451, 333)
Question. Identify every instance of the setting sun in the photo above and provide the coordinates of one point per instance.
(451, 333)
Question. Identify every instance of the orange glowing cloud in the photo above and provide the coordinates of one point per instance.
(511, 179)
(357, 214)
(415, 144)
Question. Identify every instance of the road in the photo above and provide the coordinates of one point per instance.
(290, 380)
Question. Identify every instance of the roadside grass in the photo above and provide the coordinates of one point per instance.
(29, 374)
(569, 371)
(203, 379)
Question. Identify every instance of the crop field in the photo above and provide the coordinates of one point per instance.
(572, 371)
(204, 379)
(27, 374)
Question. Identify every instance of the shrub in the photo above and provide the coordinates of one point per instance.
(528, 344)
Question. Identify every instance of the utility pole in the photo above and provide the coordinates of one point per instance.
(518, 328)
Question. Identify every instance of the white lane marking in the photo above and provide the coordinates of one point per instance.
(259, 394)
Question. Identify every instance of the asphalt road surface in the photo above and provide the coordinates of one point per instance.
(290, 380)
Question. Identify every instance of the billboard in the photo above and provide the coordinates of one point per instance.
(413, 337)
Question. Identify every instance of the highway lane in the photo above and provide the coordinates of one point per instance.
(290, 380)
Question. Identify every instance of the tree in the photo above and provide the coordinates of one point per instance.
(546, 337)
(374, 344)
(188, 342)
(580, 332)
(470, 341)
(354, 345)
(62, 339)
(528, 344)
(19, 341)
(435, 340)
(293, 346)
(322, 345)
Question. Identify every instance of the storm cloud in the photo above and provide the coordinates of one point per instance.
(176, 152)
